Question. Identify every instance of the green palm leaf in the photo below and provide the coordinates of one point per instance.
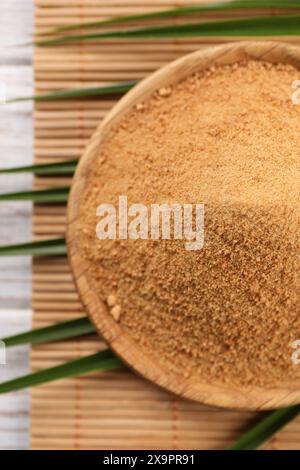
(261, 26)
(182, 11)
(266, 428)
(115, 89)
(65, 167)
(39, 196)
(60, 331)
(55, 247)
(104, 360)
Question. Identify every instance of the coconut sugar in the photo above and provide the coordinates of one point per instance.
(229, 138)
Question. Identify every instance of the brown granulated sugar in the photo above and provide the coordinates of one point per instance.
(228, 137)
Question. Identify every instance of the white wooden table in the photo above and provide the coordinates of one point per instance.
(16, 19)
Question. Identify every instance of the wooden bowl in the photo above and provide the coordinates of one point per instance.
(250, 397)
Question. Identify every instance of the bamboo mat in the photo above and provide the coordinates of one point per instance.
(105, 410)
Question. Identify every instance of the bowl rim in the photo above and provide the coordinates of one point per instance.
(221, 395)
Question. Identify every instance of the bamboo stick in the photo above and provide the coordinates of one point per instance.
(105, 11)
(53, 287)
(136, 394)
(64, 297)
(70, 123)
(123, 441)
(92, 428)
(51, 268)
(54, 317)
(52, 279)
(82, 105)
(88, 343)
(60, 153)
(54, 305)
(68, 413)
(114, 444)
(46, 133)
(54, 233)
(84, 76)
(40, 226)
(66, 113)
(57, 83)
(97, 66)
(66, 409)
(104, 406)
(91, 389)
(49, 210)
(54, 264)
(41, 220)
(159, 406)
(72, 14)
(60, 143)
(86, 58)
(47, 181)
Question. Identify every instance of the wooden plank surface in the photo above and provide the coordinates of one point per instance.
(14, 416)
(16, 146)
(114, 409)
(15, 273)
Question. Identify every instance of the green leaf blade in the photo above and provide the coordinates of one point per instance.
(258, 26)
(181, 11)
(51, 195)
(114, 89)
(60, 331)
(266, 428)
(64, 167)
(53, 247)
(100, 361)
